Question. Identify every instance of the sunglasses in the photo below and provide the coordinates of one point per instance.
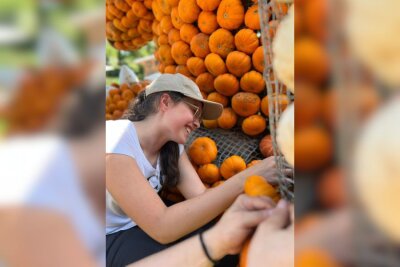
(195, 109)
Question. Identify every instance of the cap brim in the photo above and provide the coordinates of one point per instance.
(211, 110)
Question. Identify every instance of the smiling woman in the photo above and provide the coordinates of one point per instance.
(144, 153)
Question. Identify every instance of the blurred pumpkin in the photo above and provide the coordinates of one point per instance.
(266, 147)
(313, 148)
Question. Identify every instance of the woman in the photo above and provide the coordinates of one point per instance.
(146, 152)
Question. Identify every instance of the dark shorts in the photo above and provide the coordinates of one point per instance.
(128, 246)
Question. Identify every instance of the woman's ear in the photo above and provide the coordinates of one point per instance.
(165, 102)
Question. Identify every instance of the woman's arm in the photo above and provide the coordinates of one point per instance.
(226, 237)
(137, 198)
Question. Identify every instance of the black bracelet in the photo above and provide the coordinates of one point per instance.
(203, 245)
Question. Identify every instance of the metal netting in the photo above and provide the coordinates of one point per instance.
(232, 142)
(274, 90)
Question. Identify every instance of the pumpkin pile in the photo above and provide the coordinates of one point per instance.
(203, 153)
(39, 95)
(120, 96)
(128, 23)
(217, 44)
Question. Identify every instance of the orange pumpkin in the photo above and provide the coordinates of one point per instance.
(311, 61)
(162, 39)
(209, 173)
(188, 10)
(181, 52)
(253, 162)
(245, 104)
(222, 42)
(252, 18)
(254, 125)
(175, 19)
(266, 147)
(205, 81)
(196, 66)
(258, 59)
(199, 45)
(166, 24)
(246, 41)
(173, 3)
(308, 105)
(230, 14)
(208, 5)
(252, 82)
(331, 188)
(165, 7)
(217, 97)
(207, 22)
(316, 18)
(238, 63)
(282, 100)
(313, 148)
(139, 9)
(215, 64)
(314, 257)
(187, 32)
(244, 253)
(182, 69)
(203, 150)
(226, 84)
(210, 124)
(165, 53)
(170, 69)
(173, 36)
(231, 166)
(256, 185)
(228, 119)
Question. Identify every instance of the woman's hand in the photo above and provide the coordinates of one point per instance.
(229, 234)
(273, 241)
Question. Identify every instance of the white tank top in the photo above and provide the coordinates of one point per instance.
(121, 138)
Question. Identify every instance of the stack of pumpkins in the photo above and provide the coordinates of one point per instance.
(216, 44)
(203, 153)
(128, 23)
(120, 96)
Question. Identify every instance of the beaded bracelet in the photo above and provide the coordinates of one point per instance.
(203, 245)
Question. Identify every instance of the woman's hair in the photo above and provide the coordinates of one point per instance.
(144, 106)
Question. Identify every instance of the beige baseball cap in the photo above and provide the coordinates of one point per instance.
(181, 84)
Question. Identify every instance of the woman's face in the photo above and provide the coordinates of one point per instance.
(184, 117)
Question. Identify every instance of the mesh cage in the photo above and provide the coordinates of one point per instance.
(274, 89)
(232, 142)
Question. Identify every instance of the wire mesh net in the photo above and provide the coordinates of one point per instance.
(275, 89)
(232, 142)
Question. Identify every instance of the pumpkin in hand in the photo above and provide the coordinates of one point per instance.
(232, 166)
(203, 150)
(256, 185)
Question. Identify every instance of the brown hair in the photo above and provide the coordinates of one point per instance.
(144, 106)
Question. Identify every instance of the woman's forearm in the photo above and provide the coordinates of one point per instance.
(196, 212)
(186, 253)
